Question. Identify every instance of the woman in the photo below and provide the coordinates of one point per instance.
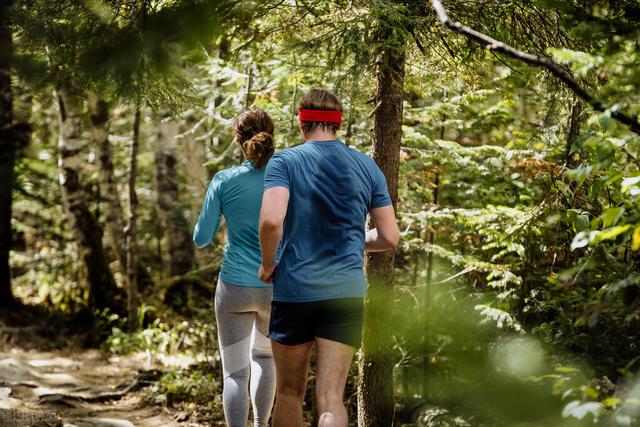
(242, 302)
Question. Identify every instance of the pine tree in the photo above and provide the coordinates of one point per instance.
(375, 386)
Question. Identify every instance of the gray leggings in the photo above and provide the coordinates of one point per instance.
(242, 314)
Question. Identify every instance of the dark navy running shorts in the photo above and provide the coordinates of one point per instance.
(340, 320)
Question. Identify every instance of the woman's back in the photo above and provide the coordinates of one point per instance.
(235, 193)
(241, 202)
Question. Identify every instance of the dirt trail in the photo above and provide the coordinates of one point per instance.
(82, 388)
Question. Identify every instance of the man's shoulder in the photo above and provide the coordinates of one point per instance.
(362, 158)
(359, 154)
(288, 155)
(292, 151)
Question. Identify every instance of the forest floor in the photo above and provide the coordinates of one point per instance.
(50, 380)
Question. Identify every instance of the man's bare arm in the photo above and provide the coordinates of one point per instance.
(274, 209)
(386, 235)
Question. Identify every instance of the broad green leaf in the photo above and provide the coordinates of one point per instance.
(610, 402)
(582, 239)
(567, 369)
(589, 392)
(582, 222)
(635, 239)
(611, 233)
(611, 216)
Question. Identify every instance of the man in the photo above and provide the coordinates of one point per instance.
(316, 200)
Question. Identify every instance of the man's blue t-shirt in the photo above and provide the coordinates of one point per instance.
(235, 193)
(332, 188)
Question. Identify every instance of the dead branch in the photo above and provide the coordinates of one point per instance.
(539, 61)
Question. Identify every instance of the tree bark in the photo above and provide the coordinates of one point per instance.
(572, 135)
(193, 154)
(176, 227)
(132, 244)
(375, 385)
(114, 218)
(103, 292)
(7, 155)
(247, 88)
(109, 194)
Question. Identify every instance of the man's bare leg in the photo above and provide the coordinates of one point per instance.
(292, 365)
(334, 361)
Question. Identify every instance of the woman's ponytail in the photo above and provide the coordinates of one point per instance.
(259, 149)
(254, 132)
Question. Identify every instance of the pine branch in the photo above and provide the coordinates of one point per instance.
(539, 61)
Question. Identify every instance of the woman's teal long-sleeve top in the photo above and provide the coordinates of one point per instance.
(236, 194)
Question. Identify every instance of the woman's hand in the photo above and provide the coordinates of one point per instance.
(266, 273)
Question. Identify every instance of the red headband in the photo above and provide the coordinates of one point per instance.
(325, 116)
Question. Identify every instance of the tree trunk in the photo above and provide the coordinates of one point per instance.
(132, 244)
(570, 159)
(7, 155)
(114, 219)
(176, 227)
(375, 385)
(194, 156)
(103, 292)
(109, 194)
(247, 88)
